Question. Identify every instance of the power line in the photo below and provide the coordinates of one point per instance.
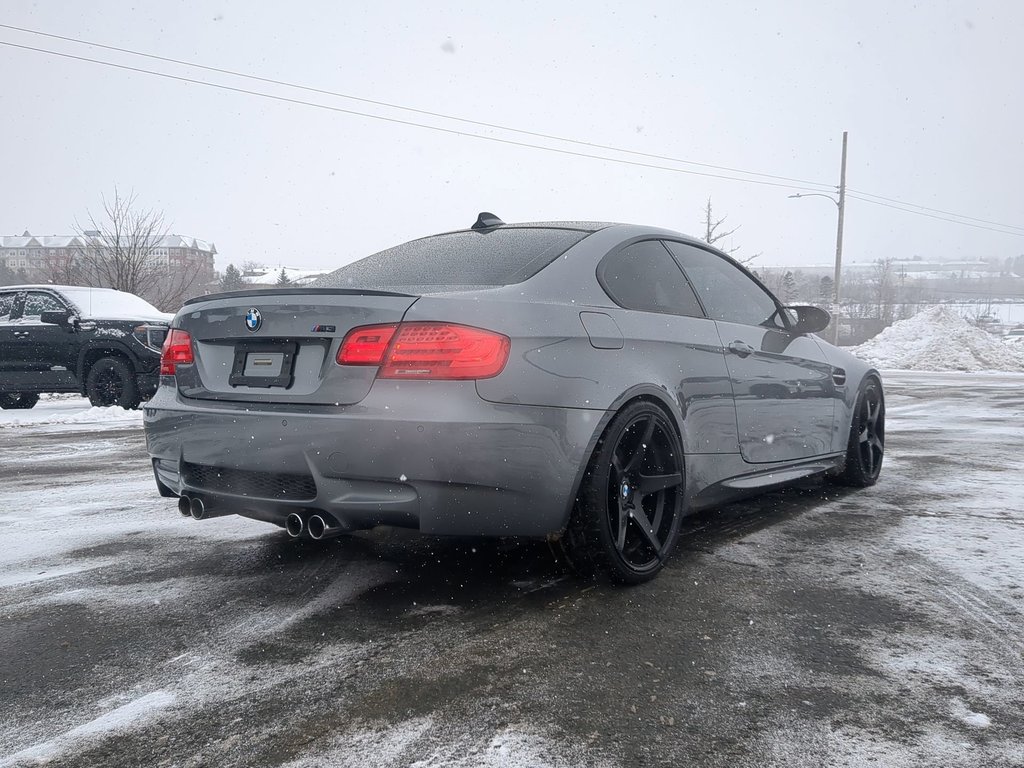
(397, 121)
(933, 210)
(933, 216)
(894, 203)
(390, 105)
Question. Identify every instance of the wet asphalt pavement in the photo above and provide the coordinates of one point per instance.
(808, 627)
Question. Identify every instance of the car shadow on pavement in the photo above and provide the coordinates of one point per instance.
(466, 572)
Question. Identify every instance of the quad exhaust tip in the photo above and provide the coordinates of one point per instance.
(185, 505)
(197, 508)
(322, 527)
(295, 525)
(317, 527)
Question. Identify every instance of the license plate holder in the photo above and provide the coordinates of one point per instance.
(263, 364)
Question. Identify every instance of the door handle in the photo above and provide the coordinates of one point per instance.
(20, 334)
(740, 348)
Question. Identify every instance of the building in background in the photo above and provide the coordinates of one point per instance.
(45, 258)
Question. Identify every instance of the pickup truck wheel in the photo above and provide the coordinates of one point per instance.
(14, 401)
(111, 382)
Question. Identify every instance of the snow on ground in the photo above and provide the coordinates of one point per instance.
(70, 411)
(939, 339)
(947, 522)
(125, 717)
(385, 744)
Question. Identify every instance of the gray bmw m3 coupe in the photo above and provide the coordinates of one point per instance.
(591, 383)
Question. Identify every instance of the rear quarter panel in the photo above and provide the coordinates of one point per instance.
(856, 371)
(552, 363)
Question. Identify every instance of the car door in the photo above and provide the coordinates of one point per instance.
(11, 363)
(672, 343)
(44, 349)
(782, 382)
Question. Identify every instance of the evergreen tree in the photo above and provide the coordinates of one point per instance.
(232, 279)
(283, 279)
(788, 288)
(826, 289)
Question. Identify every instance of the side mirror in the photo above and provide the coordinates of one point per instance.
(61, 317)
(809, 319)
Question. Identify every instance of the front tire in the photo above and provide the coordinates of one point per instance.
(866, 447)
(112, 382)
(626, 519)
(16, 401)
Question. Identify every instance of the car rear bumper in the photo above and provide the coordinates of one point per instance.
(427, 455)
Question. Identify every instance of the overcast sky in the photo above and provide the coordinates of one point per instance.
(931, 94)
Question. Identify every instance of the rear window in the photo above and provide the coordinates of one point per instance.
(504, 256)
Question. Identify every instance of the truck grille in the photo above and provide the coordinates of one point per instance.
(261, 485)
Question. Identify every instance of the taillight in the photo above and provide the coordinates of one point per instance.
(426, 351)
(366, 345)
(177, 350)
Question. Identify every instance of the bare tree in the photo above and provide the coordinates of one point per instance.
(64, 269)
(10, 276)
(884, 289)
(120, 251)
(712, 234)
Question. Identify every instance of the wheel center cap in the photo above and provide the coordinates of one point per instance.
(627, 492)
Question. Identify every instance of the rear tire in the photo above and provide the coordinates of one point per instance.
(16, 401)
(626, 519)
(866, 446)
(111, 381)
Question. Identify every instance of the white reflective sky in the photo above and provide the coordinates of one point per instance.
(931, 96)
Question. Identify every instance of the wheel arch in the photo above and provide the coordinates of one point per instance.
(88, 357)
(640, 393)
(854, 392)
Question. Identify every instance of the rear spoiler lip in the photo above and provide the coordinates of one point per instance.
(256, 292)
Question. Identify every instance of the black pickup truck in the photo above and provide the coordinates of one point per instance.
(101, 343)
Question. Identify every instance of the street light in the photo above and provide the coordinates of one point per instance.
(841, 205)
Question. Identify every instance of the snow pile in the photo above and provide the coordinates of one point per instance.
(939, 339)
(72, 412)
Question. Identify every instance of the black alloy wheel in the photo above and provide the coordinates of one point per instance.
(16, 401)
(111, 382)
(866, 447)
(627, 514)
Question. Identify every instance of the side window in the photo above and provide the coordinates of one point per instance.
(6, 306)
(37, 302)
(727, 292)
(643, 276)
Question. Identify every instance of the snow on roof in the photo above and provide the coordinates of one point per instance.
(65, 241)
(271, 275)
(104, 303)
(940, 339)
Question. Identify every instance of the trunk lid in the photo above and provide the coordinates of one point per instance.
(279, 346)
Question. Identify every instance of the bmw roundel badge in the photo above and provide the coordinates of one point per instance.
(253, 319)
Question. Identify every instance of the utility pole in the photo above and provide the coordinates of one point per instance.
(840, 203)
(839, 243)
